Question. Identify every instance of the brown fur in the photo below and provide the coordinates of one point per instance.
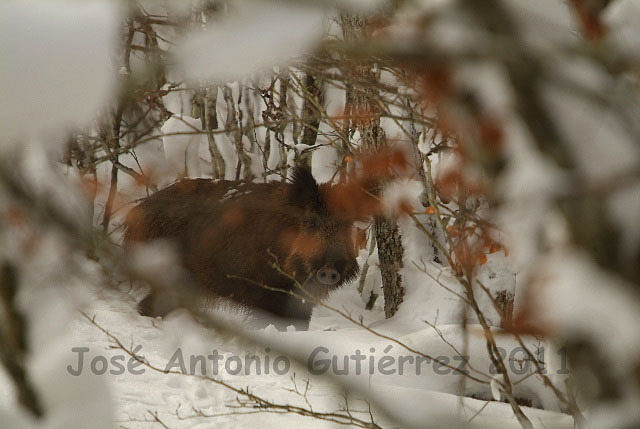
(238, 229)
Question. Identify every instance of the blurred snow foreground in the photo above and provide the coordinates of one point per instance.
(56, 68)
(57, 72)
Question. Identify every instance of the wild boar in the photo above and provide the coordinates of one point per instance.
(252, 243)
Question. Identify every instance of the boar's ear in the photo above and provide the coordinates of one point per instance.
(304, 191)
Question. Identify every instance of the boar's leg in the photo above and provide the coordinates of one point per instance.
(158, 304)
(264, 319)
(283, 311)
(283, 324)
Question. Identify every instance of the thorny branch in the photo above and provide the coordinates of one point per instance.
(344, 417)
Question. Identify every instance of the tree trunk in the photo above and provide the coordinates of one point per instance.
(366, 118)
(310, 112)
(234, 122)
(390, 253)
(210, 122)
(13, 343)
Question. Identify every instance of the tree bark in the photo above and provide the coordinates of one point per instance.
(390, 254)
(235, 121)
(210, 122)
(366, 118)
(310, 113)
(13, 343)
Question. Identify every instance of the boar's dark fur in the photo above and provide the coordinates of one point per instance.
(229, 235)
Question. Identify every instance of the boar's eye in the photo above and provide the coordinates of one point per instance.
(312, 222)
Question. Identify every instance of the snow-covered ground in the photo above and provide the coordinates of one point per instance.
(416, 392)
(403, 368)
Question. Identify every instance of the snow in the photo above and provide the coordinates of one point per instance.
(182, 139)
(178, 99)
(528, 184)
(621, 18)
(43, 83)
(488, 82)
(579, 304)
(430, 397)
(624, 208)
(323, 163)
(250, 41)
(562, 288)
(542, 25)
(400, 192)
(135, 395)
(598, 138)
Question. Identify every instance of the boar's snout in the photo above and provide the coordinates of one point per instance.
(328, 276)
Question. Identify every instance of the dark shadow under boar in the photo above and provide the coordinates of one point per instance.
(237, 239)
